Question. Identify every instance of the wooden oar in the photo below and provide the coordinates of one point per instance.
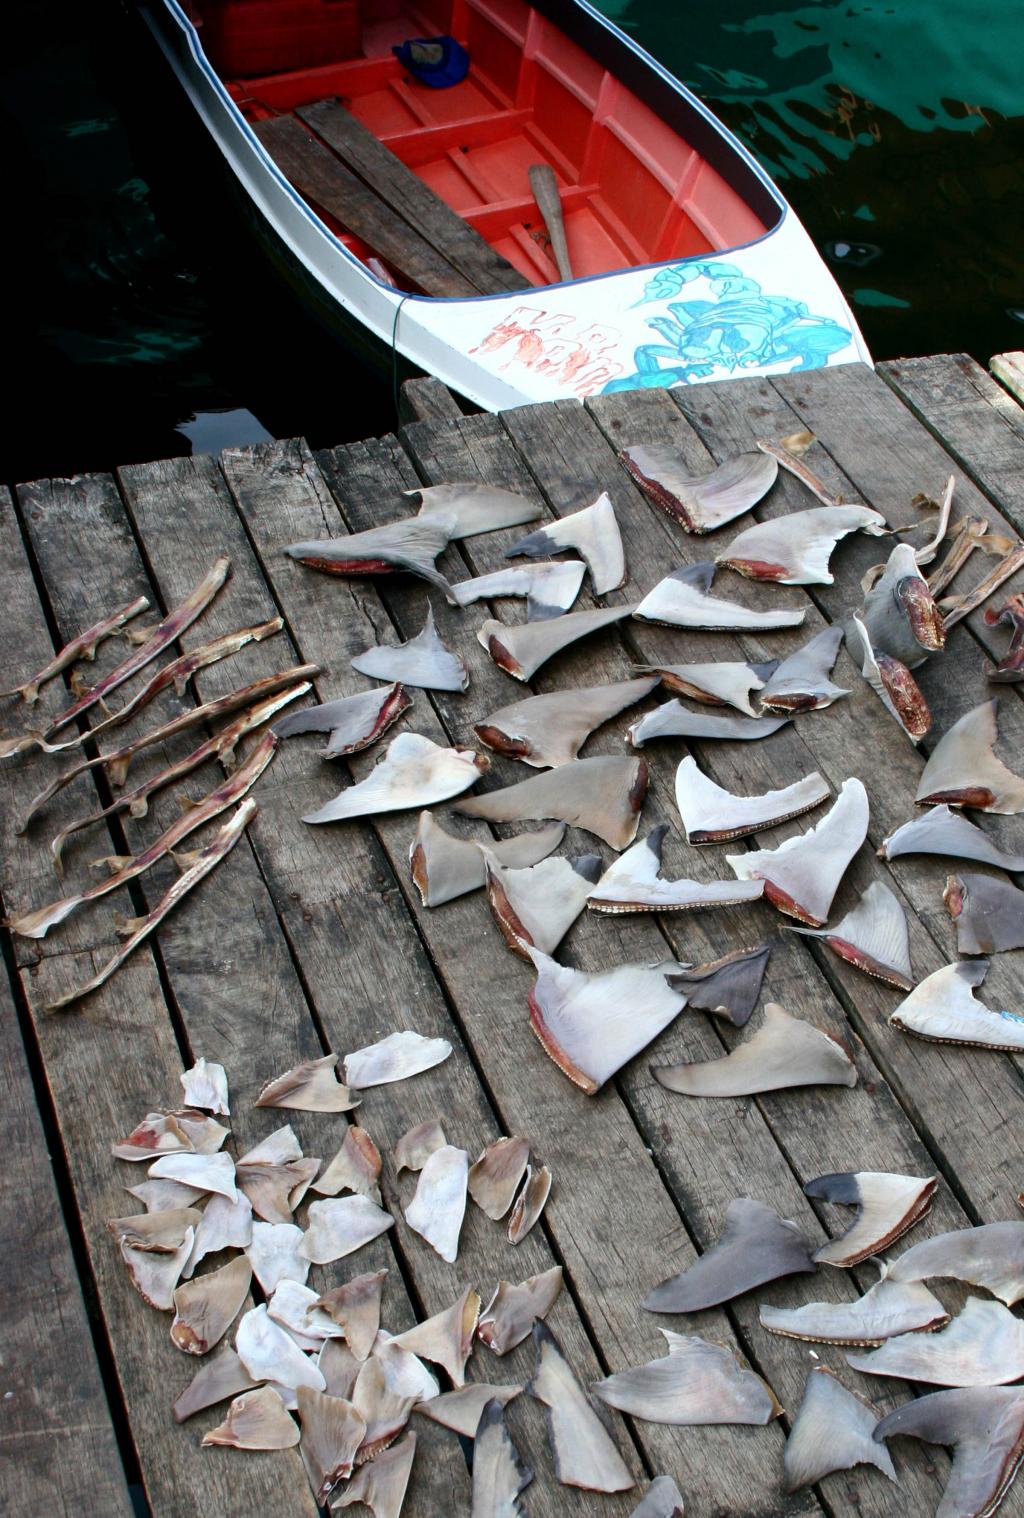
(545, 192)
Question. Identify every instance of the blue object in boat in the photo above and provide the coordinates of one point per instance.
(437, 61)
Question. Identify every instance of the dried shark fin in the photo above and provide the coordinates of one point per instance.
(673, 720)
(411, 545)
(461, 1410)
(942, 831)
(964, 771)
(900, 613)
(983, 1346)
(695, 1384)
(592, 1022)
(991, 1256)
(416, 1146)
(549, 589)
(984, 1426)
(355, 1167)
(700, 503)
(892, 683)
(520, 650)
(208, 1172)
(384, 1409)
(499, 1473)
(873, 936)
(494, 1178)
(81, 647)
(332, 1432)
(802, 875)
(831, 1432)
(269, 1353)
(206, 860)
(205, 1308)
(274, 1254)
(509, 1316)
(593, 533)
(713, 815)
(206, 1085)
(529, 1204)
(395, 1058)
(722, 682)
(549, 730)
(468, 510)
(255, 1420)
(944, 1009)
(355, 1307)
(380, 1484)
(662, 1500)
(217, 1379)
(887, 1207)
(602, 795)
(439, 1203)
(423, 662)
(889, 1307)
(801, 683)
(539, 905)
(1010, 667)
(155, 1273)
(634, 884)
(444, 867)
(446, 1339)
(413, 772)
(729, 986)
(755, 1246)
(225, 1225)
(308, 1087)
(988, 913)
(354, 722)
(583, 1452)
(785, 1051)
(795, 549)
(340, 1225)
(681, 599)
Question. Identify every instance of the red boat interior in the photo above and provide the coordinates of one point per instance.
(633, 191)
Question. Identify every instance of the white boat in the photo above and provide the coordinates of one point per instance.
(409, 208)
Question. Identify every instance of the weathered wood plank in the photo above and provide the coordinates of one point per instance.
(1008, 368)
(426, 399)
(317, 174)
(411, 198)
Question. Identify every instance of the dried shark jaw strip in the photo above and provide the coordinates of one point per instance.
(602, 795)
(521, 649)
(887, 1207)
(593, 532)
(592, 1023)
(446, 1339)
(509, 1316)
(380, 1484)
(944, 1009)
(161, 636)
(964, 771)
(309, 1087)
(754, 1247)
(411, 545)
(729, 986)
(424, 661)
(983, 1346)
(549, 589)
(984, 1426)
(991, 1256)
(802, 875)
(413, 771)
(927, 552)
(395, 1058)
(633, 884)
(1010, 614)
(788, 452)
(970, 533)
(539, 905)
(873, 936)
(1010, 552)
(989, 913)
(713, 815)
(673, 720)
(700, 503)
(470, 509)
(889, 1307)
(81, 647)
(697, 1383)
(900, 613)
(332, 1432)
(785, 1051)
(549, 730)
(801, 683)
(832, 1432)
(583, 1452)
(499, 1474)
(942, 831)
(354, 722)
(681, 599)
(892, 683)
(138, 929)
(719, 683)
(795, 549)
(125, 868)
(205, 1308)
(439, 1203)
(444, 867)
(256, 1420)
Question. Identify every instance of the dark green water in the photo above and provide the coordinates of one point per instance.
(140, 324)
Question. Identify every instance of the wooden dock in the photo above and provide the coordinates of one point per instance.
(313, 939)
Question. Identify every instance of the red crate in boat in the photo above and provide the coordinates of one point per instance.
(243, 38)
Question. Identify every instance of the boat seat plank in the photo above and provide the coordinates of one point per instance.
(411, 198)
(317, 174)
